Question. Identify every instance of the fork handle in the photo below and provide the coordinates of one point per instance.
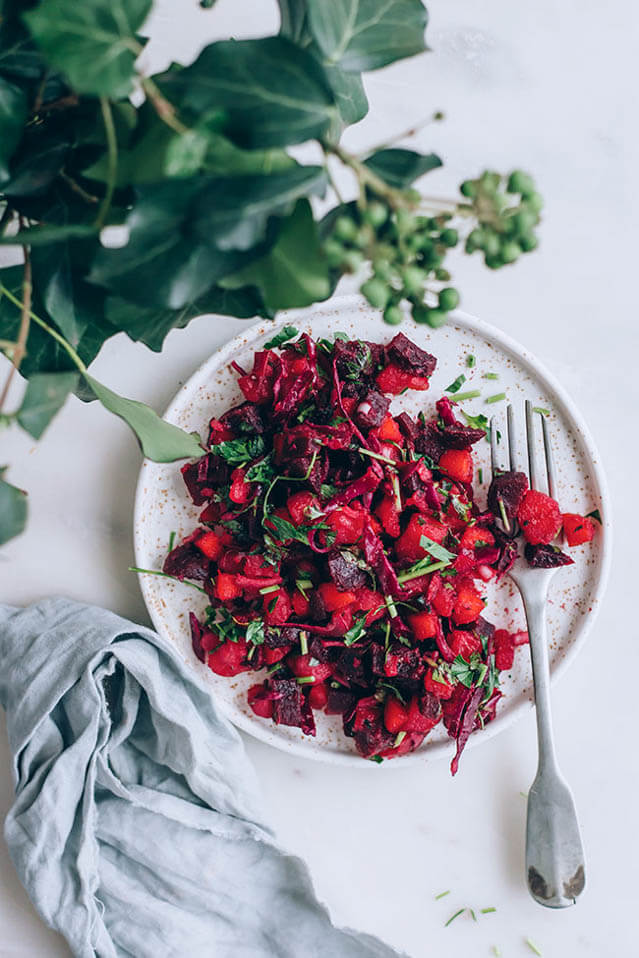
(536, 606)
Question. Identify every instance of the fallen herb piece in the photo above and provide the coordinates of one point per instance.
(289, 332)
(442, 894)
(470, 361)
(456, 385)
(541, 410)
(453, 917)
(490, 376)
(498, 397)
(533, 947)
(471, 394)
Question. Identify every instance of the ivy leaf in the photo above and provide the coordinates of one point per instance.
(69, 300)
(186, 234)
(367, 34)
(294, 272)
(273, 92)
(399, 168)
(159, 440)
(94, 43)
(44, 397)
(349, 93)
(293, 20)
(13, 510)
(43, 353)
(13, 113)
(151, 324)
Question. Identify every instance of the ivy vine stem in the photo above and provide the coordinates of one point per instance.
(25, 307)
(165, 110)
(20, 347)
(112, 161)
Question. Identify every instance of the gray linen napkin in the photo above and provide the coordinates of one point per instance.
(136, 828)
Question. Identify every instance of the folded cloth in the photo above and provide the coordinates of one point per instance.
(137, 828)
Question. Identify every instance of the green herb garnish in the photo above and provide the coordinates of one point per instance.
(532, 946)
(471, 394)
(541, 410)
(595, 514)
(453, 917)
(457, 384)
(423, 567)
(165, 575)
(443, 894)
(470, 361)
(357, 631)
(376, 758)
(490, 376)
(238, 451)
(498, 397)
(255, 632)
(486, 911)
(289, 332)
(304, 642)
(477, 422)
(436, 550)
(261, 471)
(172, 540)
(305, 679)
(480, 476)
(269, 588)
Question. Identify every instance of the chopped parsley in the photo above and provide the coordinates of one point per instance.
(376, 758)
(255, 632)
(477, 422)
(261, 471)
(595, 514)
(289, 332)
(541, 410)
(470, 360)
(238, 451)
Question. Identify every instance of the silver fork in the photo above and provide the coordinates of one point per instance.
(555, 868)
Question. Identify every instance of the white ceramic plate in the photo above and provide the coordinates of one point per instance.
(162, 506)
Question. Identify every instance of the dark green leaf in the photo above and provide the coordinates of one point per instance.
(286, 530)
(477, 422)
(294, 272)
(357, 631)
(36, 165)
(72, 303)
(45, 396)
(43, 353)
(45, 235)
(238, 451)
(19, 57)
(262, 471)
(13, 510)
(13, 113)
(274, 93)
(94, 43)
(400, 168)
(151, 324)
(595, 514)
(159, 440)
(367, 34)
(435, 550)
(293, 20)
(186, 234)
(349, 93)
(289, 332)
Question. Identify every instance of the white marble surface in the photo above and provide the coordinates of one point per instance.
(551, 87)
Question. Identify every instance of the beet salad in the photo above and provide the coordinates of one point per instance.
(342, 551)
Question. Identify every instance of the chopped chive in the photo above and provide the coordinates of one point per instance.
(305, 680)
(541, 410)
(453, 917)
(387, 637)
(471, 394)
(273, 668)
(376, 758)
(486, 911)
(490, 376)
(165, 575)
(268, 589)
(390, 605)
(524, 794)
(172, 540)
(376, 455)
(302, 584)
(502, 512)
(472, 914)
(432, 567)
(399, 739)
(442, 894)
(396, 491)
(456, 384)
(304, 642)
(532, 946)
(470, 360)
(498, 397)
(496, 951)
(480, 473)
(482, 674)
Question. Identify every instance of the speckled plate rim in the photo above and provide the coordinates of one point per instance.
(263, 732)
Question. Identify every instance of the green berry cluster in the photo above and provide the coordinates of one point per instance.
(407, 253)
(507, 210)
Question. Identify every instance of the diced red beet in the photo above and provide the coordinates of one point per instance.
(509, 487)
(460, 437)
(546, 556)
(371, 410)
(407, 355)
(345, 572)
(186, 561)
(291, 707)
